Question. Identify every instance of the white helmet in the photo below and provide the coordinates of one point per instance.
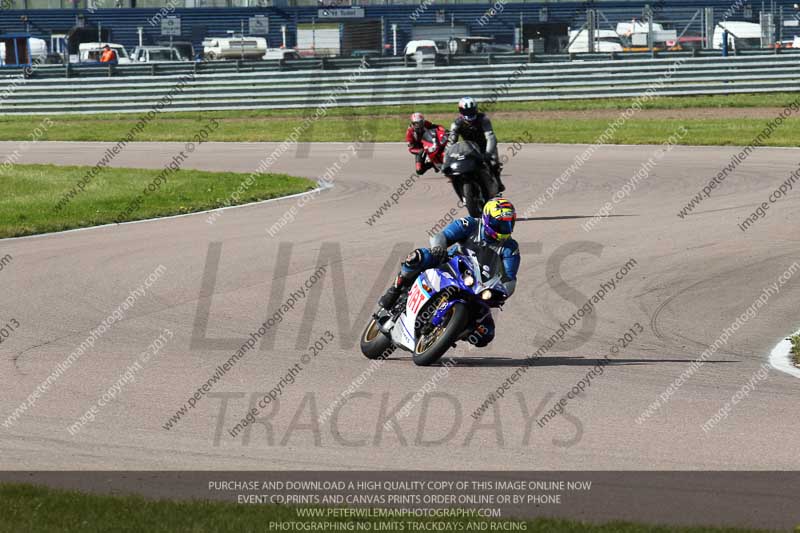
(468, 108)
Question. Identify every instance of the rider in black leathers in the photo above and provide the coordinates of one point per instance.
(473, 126)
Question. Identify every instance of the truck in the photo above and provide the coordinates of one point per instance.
(741, 35)
(604, 41)
(36, 47)
(638, 35)
(89, 52)
(243, 47)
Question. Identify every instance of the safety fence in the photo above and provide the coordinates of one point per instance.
(247, 88)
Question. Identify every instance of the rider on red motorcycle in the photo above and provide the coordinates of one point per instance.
(427, 142)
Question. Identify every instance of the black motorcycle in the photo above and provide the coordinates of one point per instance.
(470, 175)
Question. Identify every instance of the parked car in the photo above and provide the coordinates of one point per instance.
(366, 53)
(426, 46)
(88, 52)
(156, 54)
(184, 48)
(477, 45)
(234, 47)
(689, 42)
(423, 51)
(277, 54)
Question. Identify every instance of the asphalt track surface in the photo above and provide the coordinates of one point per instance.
(692, 278)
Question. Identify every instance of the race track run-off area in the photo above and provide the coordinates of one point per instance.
(176, 298)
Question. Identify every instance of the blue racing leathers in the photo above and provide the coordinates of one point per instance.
(494, 256)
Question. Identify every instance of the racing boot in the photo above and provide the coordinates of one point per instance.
(422, 168)
(385, 315)
(406, 277)
(389, 298)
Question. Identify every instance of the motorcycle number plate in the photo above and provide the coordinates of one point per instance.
(415, 299)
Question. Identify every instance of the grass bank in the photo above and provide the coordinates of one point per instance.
(38, 509)
(44, 198)
(389, 123)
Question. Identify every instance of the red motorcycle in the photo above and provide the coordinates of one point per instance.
(434, 142)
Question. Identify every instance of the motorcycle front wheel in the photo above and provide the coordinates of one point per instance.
(431, 346)
(374, 343)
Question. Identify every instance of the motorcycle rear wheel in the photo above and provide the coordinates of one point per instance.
(432, 346)
(374, 343)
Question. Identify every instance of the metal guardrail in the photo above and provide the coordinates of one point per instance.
(80, 70)
(240, 88)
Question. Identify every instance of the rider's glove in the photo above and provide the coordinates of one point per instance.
(439, 253)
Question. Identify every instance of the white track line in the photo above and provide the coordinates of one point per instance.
(780, 360)
(320, 189)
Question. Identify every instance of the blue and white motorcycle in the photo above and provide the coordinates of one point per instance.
(444, 305)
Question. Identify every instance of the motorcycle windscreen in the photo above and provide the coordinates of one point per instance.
(429, 136)
(463, 150)
(462, 158)
(466, 166)
(490, 259)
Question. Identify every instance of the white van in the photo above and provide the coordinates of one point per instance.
(637, 26)
(740, 35)
(604, 41)
(234, 48)
(93, 51)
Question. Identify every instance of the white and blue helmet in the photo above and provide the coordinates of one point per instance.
(468, 108)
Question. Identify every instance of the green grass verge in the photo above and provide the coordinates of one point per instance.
(635, 131)
(795, 349)
(389, 123)
(31, 193)
(37, 509)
